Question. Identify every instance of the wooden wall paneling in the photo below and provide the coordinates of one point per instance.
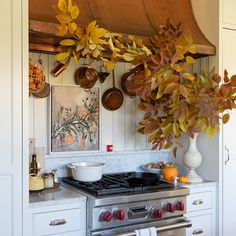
(129, 119)
(68, 74)
(106, 122)
(119, 115)
(140, 139)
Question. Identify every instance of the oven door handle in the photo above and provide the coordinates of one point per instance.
(185, 223)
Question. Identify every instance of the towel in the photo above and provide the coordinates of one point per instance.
(146, 232)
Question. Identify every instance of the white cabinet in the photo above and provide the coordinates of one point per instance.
(11, 95)
(62, 220)
(228, 14)
(201, 209)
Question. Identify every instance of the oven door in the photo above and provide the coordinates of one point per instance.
(171, 227)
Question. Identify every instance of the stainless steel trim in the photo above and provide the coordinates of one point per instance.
(198, 231)
(95, 201)
(57, 222)
(183, 224)
(198, 202)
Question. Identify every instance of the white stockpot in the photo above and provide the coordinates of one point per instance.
(86, 171)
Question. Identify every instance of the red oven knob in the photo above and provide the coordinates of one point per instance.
(170, 207)
(120, 215)
(107, 216)
(180, 206)
(156, 213)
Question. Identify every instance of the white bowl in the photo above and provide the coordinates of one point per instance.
(152, 170)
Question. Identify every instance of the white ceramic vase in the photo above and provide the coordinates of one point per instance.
(192, 160)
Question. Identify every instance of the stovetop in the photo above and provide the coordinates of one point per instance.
(113, 184)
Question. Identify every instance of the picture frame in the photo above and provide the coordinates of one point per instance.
(74, 119)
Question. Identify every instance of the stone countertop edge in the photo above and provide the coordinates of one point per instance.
(205, 183)
(51, 197)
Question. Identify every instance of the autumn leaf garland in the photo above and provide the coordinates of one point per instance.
(92, 41)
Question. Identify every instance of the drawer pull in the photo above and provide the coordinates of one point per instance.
(57, 222)
(198, 231)
(198, 202)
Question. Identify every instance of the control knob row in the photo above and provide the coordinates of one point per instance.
(107, 216)
(179, 206)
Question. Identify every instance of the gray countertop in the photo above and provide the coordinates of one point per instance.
(60, 195)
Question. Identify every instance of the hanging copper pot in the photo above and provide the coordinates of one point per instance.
(113, 98)
(86, 77)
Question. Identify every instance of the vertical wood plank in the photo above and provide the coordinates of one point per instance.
(40, 111)
(129, 119)
(106, 125)
(68, 74)
(119, 133)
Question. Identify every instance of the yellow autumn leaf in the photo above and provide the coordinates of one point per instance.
(62, 56)
(147, 73)
(128, 56)
(90, 27)
(131, 37)
(176, 67)
(79, 32)
(183, 126)
(188, 36)
(160, 91)
(62, 6)
(69, 5)
(110, 43)
(201, 122)
(109, 65)
(92, 46)
(96, 53)
(190, 60)
(61, 30)
(176, 129)
(225, 118)
(63, 19)
(100, 32)
(74, 12)
(72, 27)
(210, 131)
(192, 49)
(188, 76)
(67, 42)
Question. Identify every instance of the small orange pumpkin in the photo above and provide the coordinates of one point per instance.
(169, 172)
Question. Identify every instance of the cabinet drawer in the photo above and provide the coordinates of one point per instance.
(199, 201)
(57, 222)
(74, 233)
(201, 225)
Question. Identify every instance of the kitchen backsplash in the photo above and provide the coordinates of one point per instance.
(118, 128)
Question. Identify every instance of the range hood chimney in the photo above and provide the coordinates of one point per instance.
(136, 17)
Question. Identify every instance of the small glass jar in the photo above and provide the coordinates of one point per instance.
(48, 180)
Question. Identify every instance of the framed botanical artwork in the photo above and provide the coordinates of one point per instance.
(74, 119)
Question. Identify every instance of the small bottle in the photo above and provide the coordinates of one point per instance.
(34, 165)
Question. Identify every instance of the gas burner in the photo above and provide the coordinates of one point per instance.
(128, 182)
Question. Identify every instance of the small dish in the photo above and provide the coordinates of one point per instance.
(152, 170)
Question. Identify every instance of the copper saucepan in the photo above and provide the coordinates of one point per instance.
(113, 98)
(86, 77)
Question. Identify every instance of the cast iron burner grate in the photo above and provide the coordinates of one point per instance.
(117, 184)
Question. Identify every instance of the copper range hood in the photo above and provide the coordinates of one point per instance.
(137, 17)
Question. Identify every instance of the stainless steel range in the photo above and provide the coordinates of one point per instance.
(121, 203)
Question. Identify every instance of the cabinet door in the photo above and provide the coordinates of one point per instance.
(229, 147)
(201, 225)
(11, 118)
